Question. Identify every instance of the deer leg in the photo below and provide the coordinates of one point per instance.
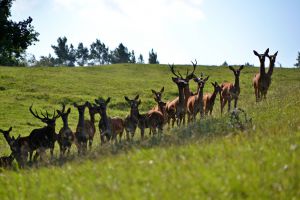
(235, 102)
(142, 133)
(223, 103)
(229, 105)
(90, 143)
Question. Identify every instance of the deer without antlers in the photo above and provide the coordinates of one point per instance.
(65, 136)
(195, 102)
(231, 91)
(43, 138)
(262, 80)
(109, 127)
(209, 99)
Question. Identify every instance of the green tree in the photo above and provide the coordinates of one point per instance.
(15, 37)
(153, 57)
(132, 57)
(141, 59)
(120, 55)
(298, 61)
(65, 55)
(82, 54)
(99, 53)
(46, 61)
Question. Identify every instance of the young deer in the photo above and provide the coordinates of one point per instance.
(161, 106)
(81, 134)
(231, 91)
(153, 119)
(261, 80)
(42, 138)
(209, 99)
(90, 124)
(195, 102)
(157, 97)
(19, 147)
(109, 127)
(65, 136)
(131, 121)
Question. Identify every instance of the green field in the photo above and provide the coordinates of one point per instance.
(205, 160)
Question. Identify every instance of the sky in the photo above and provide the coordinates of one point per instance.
(210, 31)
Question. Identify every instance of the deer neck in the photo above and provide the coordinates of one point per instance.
(104, 118)
(65, 122)
(81, 120)
(271, 67)
(200, 94)
(7, 138)
(237, 82)
(181, 96)
(92, 117)
(187, 92)
(213, 96)
(262, 69)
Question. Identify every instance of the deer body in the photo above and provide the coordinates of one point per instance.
(90, 124)
(109, 128)
(209, 99)
(231, 91)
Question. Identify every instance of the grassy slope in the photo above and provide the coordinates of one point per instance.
(203, 160)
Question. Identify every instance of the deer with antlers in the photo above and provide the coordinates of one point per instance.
(81, 134)
(231, 91)
(195, 102)
(209, 98)
(109, 128)
(42, 138)
(178, 107)
(65, 137)
(262, 80)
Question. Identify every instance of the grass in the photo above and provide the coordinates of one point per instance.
(205, 160)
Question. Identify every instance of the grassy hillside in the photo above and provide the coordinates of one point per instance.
(208, 159)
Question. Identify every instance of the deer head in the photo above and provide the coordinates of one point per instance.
(272, 59)
(158, 95)
(217, 88)
(261, 57)
(201, 81)
(80, 108)
(102, 104)
(134, 103)
(188, 76)
(236, 72)
(50, 121)
(6, 132)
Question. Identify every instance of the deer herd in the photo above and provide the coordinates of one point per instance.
(185, 104)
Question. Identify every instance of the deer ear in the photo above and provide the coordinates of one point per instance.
(162, 89)
(58, 111)
(241, 67)
(213, 84)
(206, 78)
(139, 102)
(9, 129)
(126, 98)
(137, 97)
(69, 110)
(276, 53)
(107, 100)
(153, 91)
(266, 52)
(75, 105)
(255, 53)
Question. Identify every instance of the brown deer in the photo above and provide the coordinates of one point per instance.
(262, 80)
(19, 147)
(161, 106)
(65, 137)
(153, 119)
(195, 102)
(209, 99)
(6, 161)
(157, 97)
(90, 124)
(42, 138)
(231, 91)
(131, 121)
(81, 134)
(109, 127)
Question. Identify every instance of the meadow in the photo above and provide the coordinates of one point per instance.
(209, 159)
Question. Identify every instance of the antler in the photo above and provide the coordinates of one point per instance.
(172, 70)
(191, 75)
(36, 115)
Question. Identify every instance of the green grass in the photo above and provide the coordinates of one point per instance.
(205, 160)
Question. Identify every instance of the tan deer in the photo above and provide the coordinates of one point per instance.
(195, 102)
(262, 80)
(157, 97)
(109, 127)
(231, 91)
(209, 98)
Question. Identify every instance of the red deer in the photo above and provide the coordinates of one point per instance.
(6, 135)
(178, 107)
(161, 106)
(131, 121)
(6, 161)
(153, 119)
(260, 81)
(195, 102)
(65, 136)
(90, 124)
(109, 127)
(231, 91)
(157, 97)
(42, 138)
(209, 99)
(81, 134)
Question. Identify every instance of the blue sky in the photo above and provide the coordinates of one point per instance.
(211, 31)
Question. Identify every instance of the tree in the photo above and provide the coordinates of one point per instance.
(132, 57)
(225, 64)
(46, 61)
(153, 57)
(140, 59)
(99, 53)
(120, 55)
(298, 61)
(15, 37)
(82, 54)
(65, 55)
